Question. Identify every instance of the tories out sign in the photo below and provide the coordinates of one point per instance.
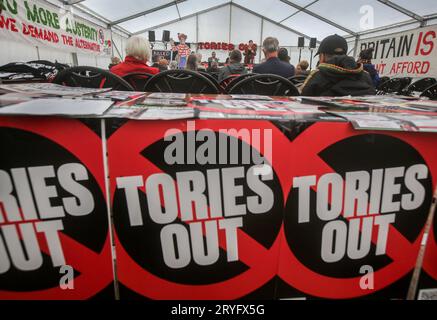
(45, 25)
(411, 53)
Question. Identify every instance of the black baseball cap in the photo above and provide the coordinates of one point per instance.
(334, 44)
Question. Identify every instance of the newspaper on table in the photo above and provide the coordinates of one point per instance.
(390, 121)
(51, 89)
(250, 97)
(166, 95)
(123, 112)
(58, 106)
(167, 113)
(116, 95)
(162, 102)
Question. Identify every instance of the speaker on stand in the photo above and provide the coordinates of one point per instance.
(300, 45)
(152, 38)
(313, 44)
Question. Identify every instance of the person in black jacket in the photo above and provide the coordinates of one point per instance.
(366, 60)
(235, 66)
(337, 73)
(273, 65)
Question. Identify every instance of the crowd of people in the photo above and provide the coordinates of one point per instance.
(337, 74)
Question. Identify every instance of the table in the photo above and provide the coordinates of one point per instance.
(214, 208)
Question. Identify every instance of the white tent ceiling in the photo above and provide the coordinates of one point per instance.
(312, 18)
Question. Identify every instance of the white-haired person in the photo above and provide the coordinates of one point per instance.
(138, 53)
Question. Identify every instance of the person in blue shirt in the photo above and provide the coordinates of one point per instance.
(273, 65)
(366, 60)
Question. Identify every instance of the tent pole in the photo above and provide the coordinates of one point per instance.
(261, 40)
(357, 38)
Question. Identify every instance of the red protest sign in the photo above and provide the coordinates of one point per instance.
(314, 265)
(140, 247)
(57, 173)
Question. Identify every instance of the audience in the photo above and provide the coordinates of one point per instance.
(273, 65)
(366, 60)
(337, 73)
(163, 64)
(283, 55)
(191, 63)
(212, 59)
(155, 61)
(173, 65)
(138, 53)
(114, 62)
(235, 67)
(213, 68)
(302, 68)
(200, 66)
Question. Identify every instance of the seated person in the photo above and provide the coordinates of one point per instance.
(283, 55)
(366, 60)
(213, 68)
(200, 66)
(337, 73)
(114, 62)
(212, 59)
(138, 53)
(234, 67)
(273, 65)
(302, 68)
(163, 64)
(191, 62)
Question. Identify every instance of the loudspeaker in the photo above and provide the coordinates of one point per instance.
(301, 42)
(152, 36)
(166, 36)
(313, 43)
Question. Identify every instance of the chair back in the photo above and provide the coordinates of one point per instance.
(181, 81)
(91, 77)
(265, 84)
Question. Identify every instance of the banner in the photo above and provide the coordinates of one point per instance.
(54, 229)
(194, 220)
(45, 25)
(411, 53)
(215, 209)
(356, 212)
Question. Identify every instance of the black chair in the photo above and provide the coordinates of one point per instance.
(91, 77)
(265, 84)
(181, 81)
(382, 80)
(298, 79)
(395, 85)
(20, 68)
(420, 85)
(235, 79)
(138, 80)
(212, 78)
(430, 92)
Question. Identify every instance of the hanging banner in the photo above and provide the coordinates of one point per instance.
(409, 54)
(45, 25)
(197, 208)
(54, 229)
(356, 212)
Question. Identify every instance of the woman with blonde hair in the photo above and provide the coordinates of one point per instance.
(138, 53)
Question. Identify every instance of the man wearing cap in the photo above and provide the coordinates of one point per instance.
(273, 65)
(337, 73)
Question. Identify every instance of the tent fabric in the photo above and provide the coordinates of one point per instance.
(314, 18)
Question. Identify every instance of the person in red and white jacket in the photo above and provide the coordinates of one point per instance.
(138, 53)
